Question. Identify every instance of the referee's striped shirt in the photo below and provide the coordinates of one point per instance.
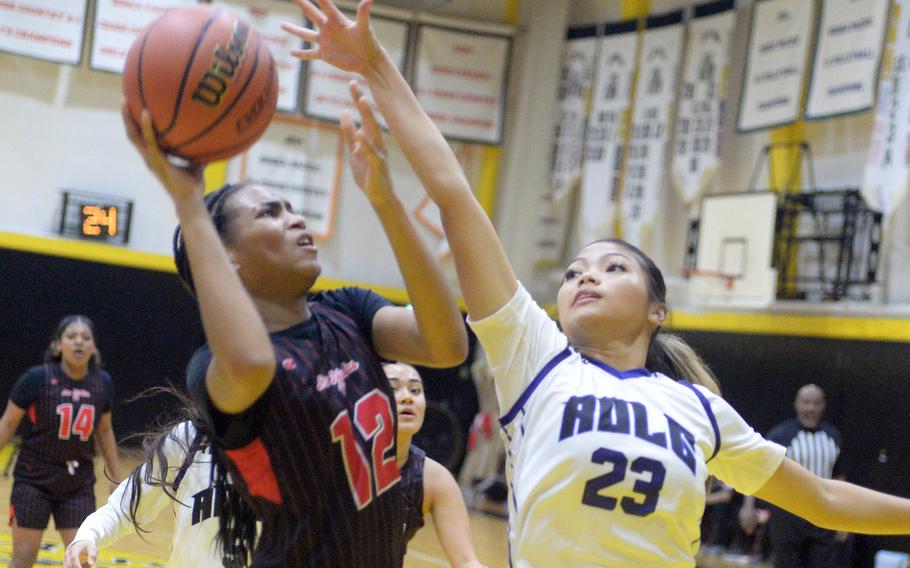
(817, 450)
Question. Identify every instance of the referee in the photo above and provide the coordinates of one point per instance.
(815, 445)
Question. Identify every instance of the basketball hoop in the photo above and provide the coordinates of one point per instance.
(728, 278)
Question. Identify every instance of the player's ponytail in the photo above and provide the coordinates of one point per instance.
(215, 204)
(670, 355)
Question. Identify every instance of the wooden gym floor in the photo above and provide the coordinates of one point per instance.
(151, 550)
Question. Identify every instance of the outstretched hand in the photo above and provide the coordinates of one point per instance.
(339, 41)
(181, 182)
(369, 158)
(80, 554)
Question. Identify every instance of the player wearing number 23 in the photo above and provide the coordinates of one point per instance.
(607, 456)
(302, 413)
(67, 405)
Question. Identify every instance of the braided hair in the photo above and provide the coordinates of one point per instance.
(215, 203)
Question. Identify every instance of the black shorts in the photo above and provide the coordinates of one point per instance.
(31, 506)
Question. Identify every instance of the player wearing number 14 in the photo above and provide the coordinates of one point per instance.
(68, 404)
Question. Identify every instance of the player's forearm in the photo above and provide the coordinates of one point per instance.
(835, 505)
(849, 507)
(437, 314)
(484, 273)
(234, 329)
(6, 433)
(105, 526)
(108, 444)
(423, 144)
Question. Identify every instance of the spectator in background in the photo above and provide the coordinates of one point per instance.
(815, 445)
(483, 463)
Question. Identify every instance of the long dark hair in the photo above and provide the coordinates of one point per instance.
(53, 353)
(667, 353)
(237, 524)
(215, 204)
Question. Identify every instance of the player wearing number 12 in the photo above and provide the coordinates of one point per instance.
(302, 413)
(68, 404)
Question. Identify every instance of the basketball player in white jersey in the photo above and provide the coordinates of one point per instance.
(607, 461)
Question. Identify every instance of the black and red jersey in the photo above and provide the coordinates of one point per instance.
(315, 455)
(62, 413)
(412, 493)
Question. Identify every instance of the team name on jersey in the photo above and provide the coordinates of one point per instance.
(336, 376)
(584, 414)
(206, 504)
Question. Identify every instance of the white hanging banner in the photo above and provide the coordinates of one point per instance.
(327, 90)
(605, 136)
(117, 24)
(655, 90)
(847, 55)
(302, 161)
(579, 52)
(886, 176)
(702, 99)
(267, 16)
(778, 44)
(46, 29)
(460, 79)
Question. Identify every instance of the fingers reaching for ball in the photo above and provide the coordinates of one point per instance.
(181, 181)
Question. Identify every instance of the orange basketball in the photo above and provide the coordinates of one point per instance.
(207, 79)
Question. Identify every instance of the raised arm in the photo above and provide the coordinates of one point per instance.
(243, 361)
(433, 333)
(442, 498)
(485, 276)
(835, 504)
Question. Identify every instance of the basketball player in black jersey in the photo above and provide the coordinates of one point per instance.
(303, 415)
(427, 485)
(68, 404)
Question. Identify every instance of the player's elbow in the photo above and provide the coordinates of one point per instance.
(449, 354)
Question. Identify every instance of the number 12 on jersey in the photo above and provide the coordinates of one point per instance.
(370, 476)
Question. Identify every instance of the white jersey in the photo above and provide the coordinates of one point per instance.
(195, 525)
(607, 468)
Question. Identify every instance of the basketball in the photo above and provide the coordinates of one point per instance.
(207, 79)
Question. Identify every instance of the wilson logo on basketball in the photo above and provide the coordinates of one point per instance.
(214, 83)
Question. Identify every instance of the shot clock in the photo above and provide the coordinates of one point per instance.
(96, 217)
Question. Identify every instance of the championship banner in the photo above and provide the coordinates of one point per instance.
(302, 161)
(776, 61)
(702, 99)
(655, 90)
(267, 16)
(460, 79)
(327, 90)
(45, 29)
(117, 24)
(886, 176)
(579, 53)
(847, 55)
(574, 88)
(605, 136)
